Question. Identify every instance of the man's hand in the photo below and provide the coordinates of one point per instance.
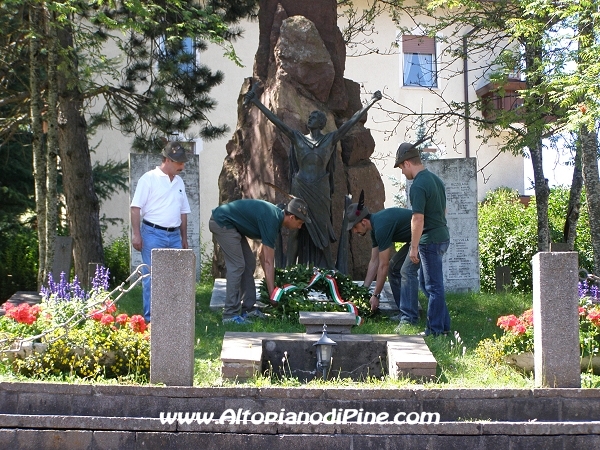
(136, 241)
(374, 303)
(414, 254)
(376, 96)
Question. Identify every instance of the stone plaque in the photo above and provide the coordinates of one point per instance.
(139, 164)
(461, 261)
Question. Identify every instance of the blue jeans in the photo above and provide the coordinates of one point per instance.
(154, 238)
(404, 282)
(432, 283)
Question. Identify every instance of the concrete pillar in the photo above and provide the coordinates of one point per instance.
(556, 320)
(173, 306)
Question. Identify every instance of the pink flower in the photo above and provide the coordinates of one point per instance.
(122, 319)
(96, 315)
(507, 322)
(527, 317)
(594, 316)
(107, 319)
(110, 307)
(519, 329)
(137, 323)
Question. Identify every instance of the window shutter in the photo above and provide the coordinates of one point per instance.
(418, 44)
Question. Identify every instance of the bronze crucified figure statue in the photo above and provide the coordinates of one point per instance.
(311, 168)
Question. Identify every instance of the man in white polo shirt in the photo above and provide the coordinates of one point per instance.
(159, 210)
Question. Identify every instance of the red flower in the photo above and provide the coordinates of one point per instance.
(519, 329)
(594, 316)
(107, 319)
(96, 315)
(527, 317)
(110, 307)
(23, 313)
(507, 322)
(582, 311)
(137, 323)
(122, 319)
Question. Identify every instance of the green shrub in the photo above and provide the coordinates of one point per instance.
(18, 261)
(557, 213)
(116, 259)
(507, 237)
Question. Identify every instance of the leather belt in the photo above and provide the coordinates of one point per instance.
(158, 227)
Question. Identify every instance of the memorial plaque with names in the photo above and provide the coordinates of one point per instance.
(461, 261)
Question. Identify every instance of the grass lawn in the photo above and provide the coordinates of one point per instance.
(474, 317)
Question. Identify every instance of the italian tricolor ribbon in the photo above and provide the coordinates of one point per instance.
(335, 292)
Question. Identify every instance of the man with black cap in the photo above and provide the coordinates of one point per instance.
(430, 235)
(231, 224)
(159, 211)
(387, 227)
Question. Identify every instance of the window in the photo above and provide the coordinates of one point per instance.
(182, 52)
(419, 66)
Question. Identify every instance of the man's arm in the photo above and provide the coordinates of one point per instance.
(346, 126)
(416, 230)
(183, 231)
(267, 258)
(382, 270)
(136, 240)
(372, 268)
(251, 97)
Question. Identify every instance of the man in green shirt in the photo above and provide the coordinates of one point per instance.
(430, 234)
(387, 227)
(231, 224)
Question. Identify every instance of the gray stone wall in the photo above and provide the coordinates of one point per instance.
(139, 164)
(461, 262)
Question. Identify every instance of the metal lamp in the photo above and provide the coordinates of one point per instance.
(324, 349)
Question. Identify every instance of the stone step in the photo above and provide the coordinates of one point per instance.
(65, 416)
(356, 356)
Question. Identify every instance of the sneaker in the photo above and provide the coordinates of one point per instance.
(238, 320)
(255, 313)
(396, 318)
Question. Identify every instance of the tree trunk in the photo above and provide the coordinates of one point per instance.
(38, 143)
(589, 148)
(570, 230)
(542, 193)
(83, 208)
(535, 127)
(591, 178)
(52, 149)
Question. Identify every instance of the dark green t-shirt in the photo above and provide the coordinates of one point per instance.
(256, 219)
(428, 197)
(389, 226)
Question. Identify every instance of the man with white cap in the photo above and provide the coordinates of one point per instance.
(430, 234)
(231, 224)
(159, 211)
(387, 227)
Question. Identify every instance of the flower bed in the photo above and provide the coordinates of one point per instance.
(515, 345)
(73, 332)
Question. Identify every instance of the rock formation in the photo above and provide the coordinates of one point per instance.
(299, 68)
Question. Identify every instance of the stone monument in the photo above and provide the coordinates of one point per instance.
(298, 69)
(461, 261)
